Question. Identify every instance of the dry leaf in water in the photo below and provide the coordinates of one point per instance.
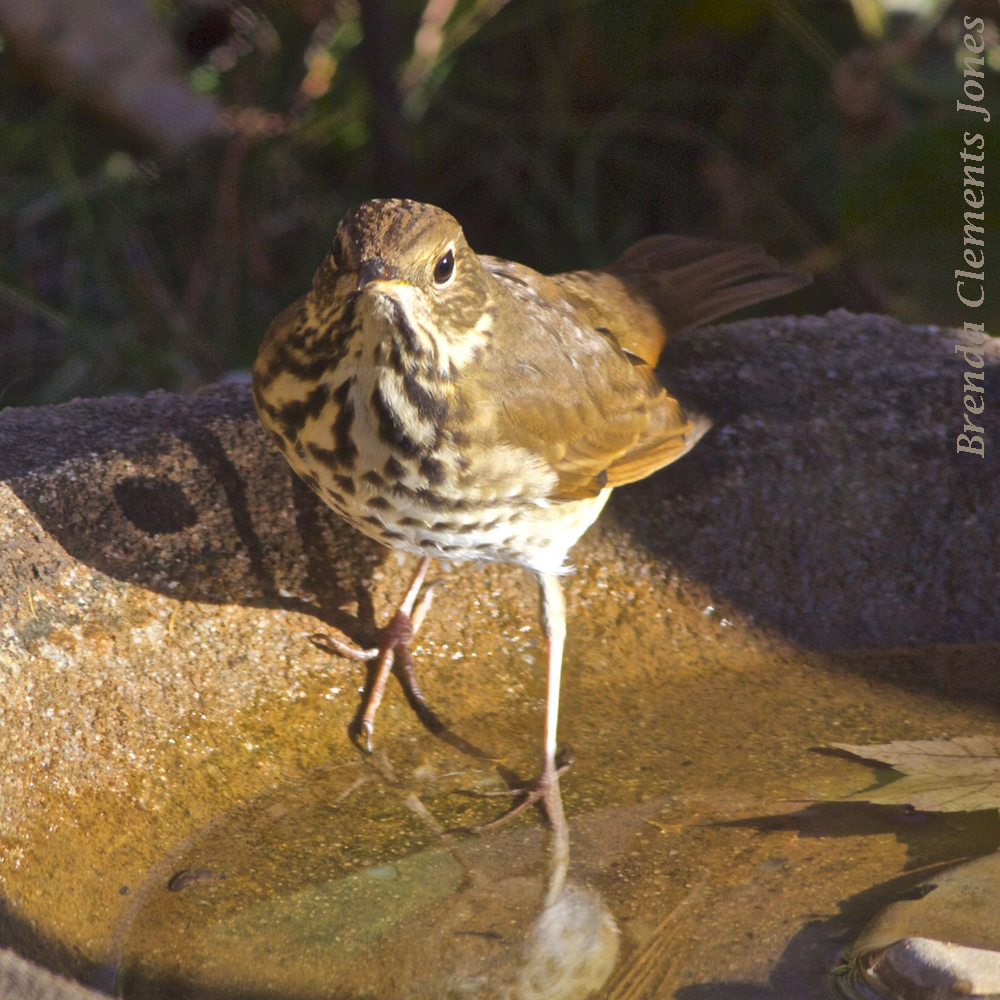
(956, 775)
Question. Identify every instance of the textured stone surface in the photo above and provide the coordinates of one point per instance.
(832, 502)
(141, 540)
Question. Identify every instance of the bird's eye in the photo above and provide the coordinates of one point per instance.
(444, 267)
(337, 252)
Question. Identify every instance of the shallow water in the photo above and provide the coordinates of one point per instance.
(709, 860)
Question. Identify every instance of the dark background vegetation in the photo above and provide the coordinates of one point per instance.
(145, 245)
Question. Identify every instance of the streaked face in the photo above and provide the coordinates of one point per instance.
(413, 269)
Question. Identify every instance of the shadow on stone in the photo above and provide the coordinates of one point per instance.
(923, 833)
(185, 497)
(829, 501)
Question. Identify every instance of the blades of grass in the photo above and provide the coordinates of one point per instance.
(14, 293)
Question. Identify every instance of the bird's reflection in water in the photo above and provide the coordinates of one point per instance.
(492, 918)
(569, 951)
(520, 937)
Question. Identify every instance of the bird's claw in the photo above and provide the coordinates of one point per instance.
(535, 791)
(330, 644)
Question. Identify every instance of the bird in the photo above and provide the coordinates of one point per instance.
(459, 406)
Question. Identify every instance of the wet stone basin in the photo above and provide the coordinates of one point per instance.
(182, 813)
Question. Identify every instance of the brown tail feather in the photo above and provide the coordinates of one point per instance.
(692, 281)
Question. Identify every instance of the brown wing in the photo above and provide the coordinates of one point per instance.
(596, 426)
(577, 381)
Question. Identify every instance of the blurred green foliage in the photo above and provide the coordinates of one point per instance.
(557, 131)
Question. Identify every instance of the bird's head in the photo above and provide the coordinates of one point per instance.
(415, 275)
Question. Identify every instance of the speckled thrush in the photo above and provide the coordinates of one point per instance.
(456, 405)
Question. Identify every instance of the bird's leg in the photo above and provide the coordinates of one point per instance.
(546, 788)
(393, 638)
(396, 636)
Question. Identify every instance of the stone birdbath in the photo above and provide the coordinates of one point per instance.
(182, 813)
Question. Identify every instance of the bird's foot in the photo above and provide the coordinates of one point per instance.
(544, 791)
(392, 650)
(398, 632)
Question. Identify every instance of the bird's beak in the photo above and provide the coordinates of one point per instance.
(375, 270)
